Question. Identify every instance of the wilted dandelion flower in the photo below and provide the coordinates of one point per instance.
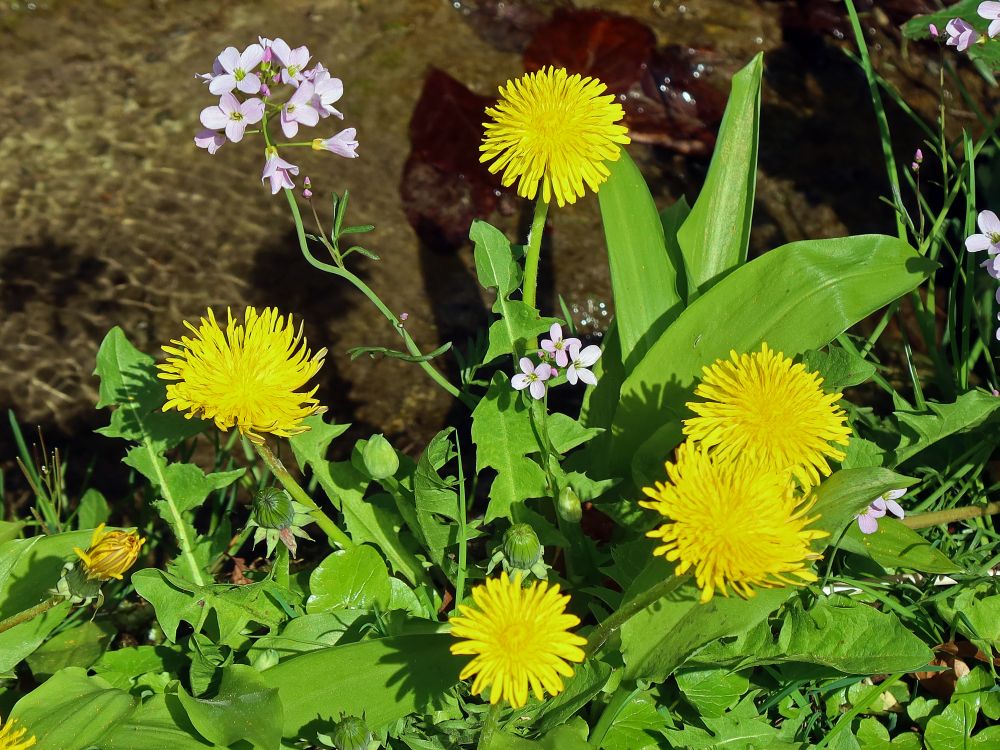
(12, 738)
(520, 638)
(770, 412)
(248, 376)
(110, 554)
(736, 524)
(555, 128)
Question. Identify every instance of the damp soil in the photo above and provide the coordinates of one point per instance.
(109, 215)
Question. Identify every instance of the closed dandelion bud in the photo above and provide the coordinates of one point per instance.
(521, 547)
(569, 505)
(381, 461)
(272, 509)
(110, 554)
(351, 733)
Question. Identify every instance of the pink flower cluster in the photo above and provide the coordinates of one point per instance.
(988, 239)
(961, 34)
(566, 353)
(254, 74)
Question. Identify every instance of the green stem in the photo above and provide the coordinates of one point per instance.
(490, 727)
(333, 532)
(29, 614)
(533, 250)
(358, 284)
(281, 566)
(463, 543)
(934, 518)
(628, 610)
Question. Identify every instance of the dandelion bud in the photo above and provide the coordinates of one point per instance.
(381, 461)
(521, 546)
(272, 509)
(110, 554)
(568, 507)
(351, 733)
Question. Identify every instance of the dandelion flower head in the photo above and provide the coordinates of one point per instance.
(765, 409)
(520, 639)
(737, 525)
(553, 128)
(13, 738)
(249, 376)
(110, 553)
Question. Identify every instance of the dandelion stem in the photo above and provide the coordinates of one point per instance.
(29, 614)
(628, 610)
(332, 531)
(358, 284)
(934, 518)
(490, 727)
(533, 250)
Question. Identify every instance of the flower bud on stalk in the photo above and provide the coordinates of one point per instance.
(110, 555)
(278, 517)
(569, 507)
(351, 733)
(521, 547)
(381, 461)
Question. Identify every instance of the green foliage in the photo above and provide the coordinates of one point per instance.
(246, 707)
(350, 579)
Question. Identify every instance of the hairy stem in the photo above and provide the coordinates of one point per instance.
(532, 252)
(490, 727)
(924, 520)
(628, 610)
(29, 614)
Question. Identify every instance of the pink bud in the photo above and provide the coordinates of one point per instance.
(264, 90)
(269, 54)
(932, 28)
(918, 156)
(404, 316)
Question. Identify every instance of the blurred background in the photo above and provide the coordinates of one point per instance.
(109, 214)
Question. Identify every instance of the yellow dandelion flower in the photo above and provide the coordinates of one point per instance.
(12, 738)
(247, 376)
(110, 554)
(737, 525)
(763, 408)
(555, 128)
(520, 638)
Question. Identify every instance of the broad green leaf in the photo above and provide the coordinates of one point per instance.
(716, 234)
(847, 492)
(643, 278)
(836, 633)
(246, 707)
(94, 510)
(387, 679)
(78, 646)
(637, 726)
(350, 579)
(160, 722)
(504, 436)
(952, 730)
(672, 218)
(979, 689)
(310, 633)
(740, 729)
(920, 430)
(662, 637)
(893, 545)
(974, 616)
(838, 367)
(71, 711)
(712, 691)
(570, 736)
(495, 264)
(233, 607)
(797, 297)
(138, 660)
(587, 681)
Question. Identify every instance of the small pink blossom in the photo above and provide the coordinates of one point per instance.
(217, 70)
(306, 185)
(233, 116)
(279, 172)
(211, 140)
(579, 361)
(556, 346)
(327, 90)
(298, 110)
(868, 519)
(933, 30)
(237, 69)
(989, 237)
(960, 34)
(991, 12)
(343, 143)
(532, 377)
(293, 61)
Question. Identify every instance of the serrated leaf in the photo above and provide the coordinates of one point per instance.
(838, 367)
(185, 483)
(920, 430)
(504, 438)
(518, 324)
(495, 264)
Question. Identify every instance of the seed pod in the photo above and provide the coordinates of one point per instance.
(569, 505)
(381, 461)
(351, 733)
(521, 546)
(272, 509)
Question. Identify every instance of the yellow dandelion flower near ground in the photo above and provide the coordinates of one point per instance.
(110, 553)
(555, 128)
(12, 738)
(767, 410)
(248, 376)
(520, 638)
(737, 525)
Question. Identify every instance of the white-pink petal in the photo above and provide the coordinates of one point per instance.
(588, 356)
(229, 59)
(976, 243)
(251, 57)
(250, 84)
(587, 377)
(214, 118)
(222, 84)
(988, 222)
(989, 10)
(235, 129)
(543, 371)
(537, 390)
(520, 382)
(526, 365)
(253, 110)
